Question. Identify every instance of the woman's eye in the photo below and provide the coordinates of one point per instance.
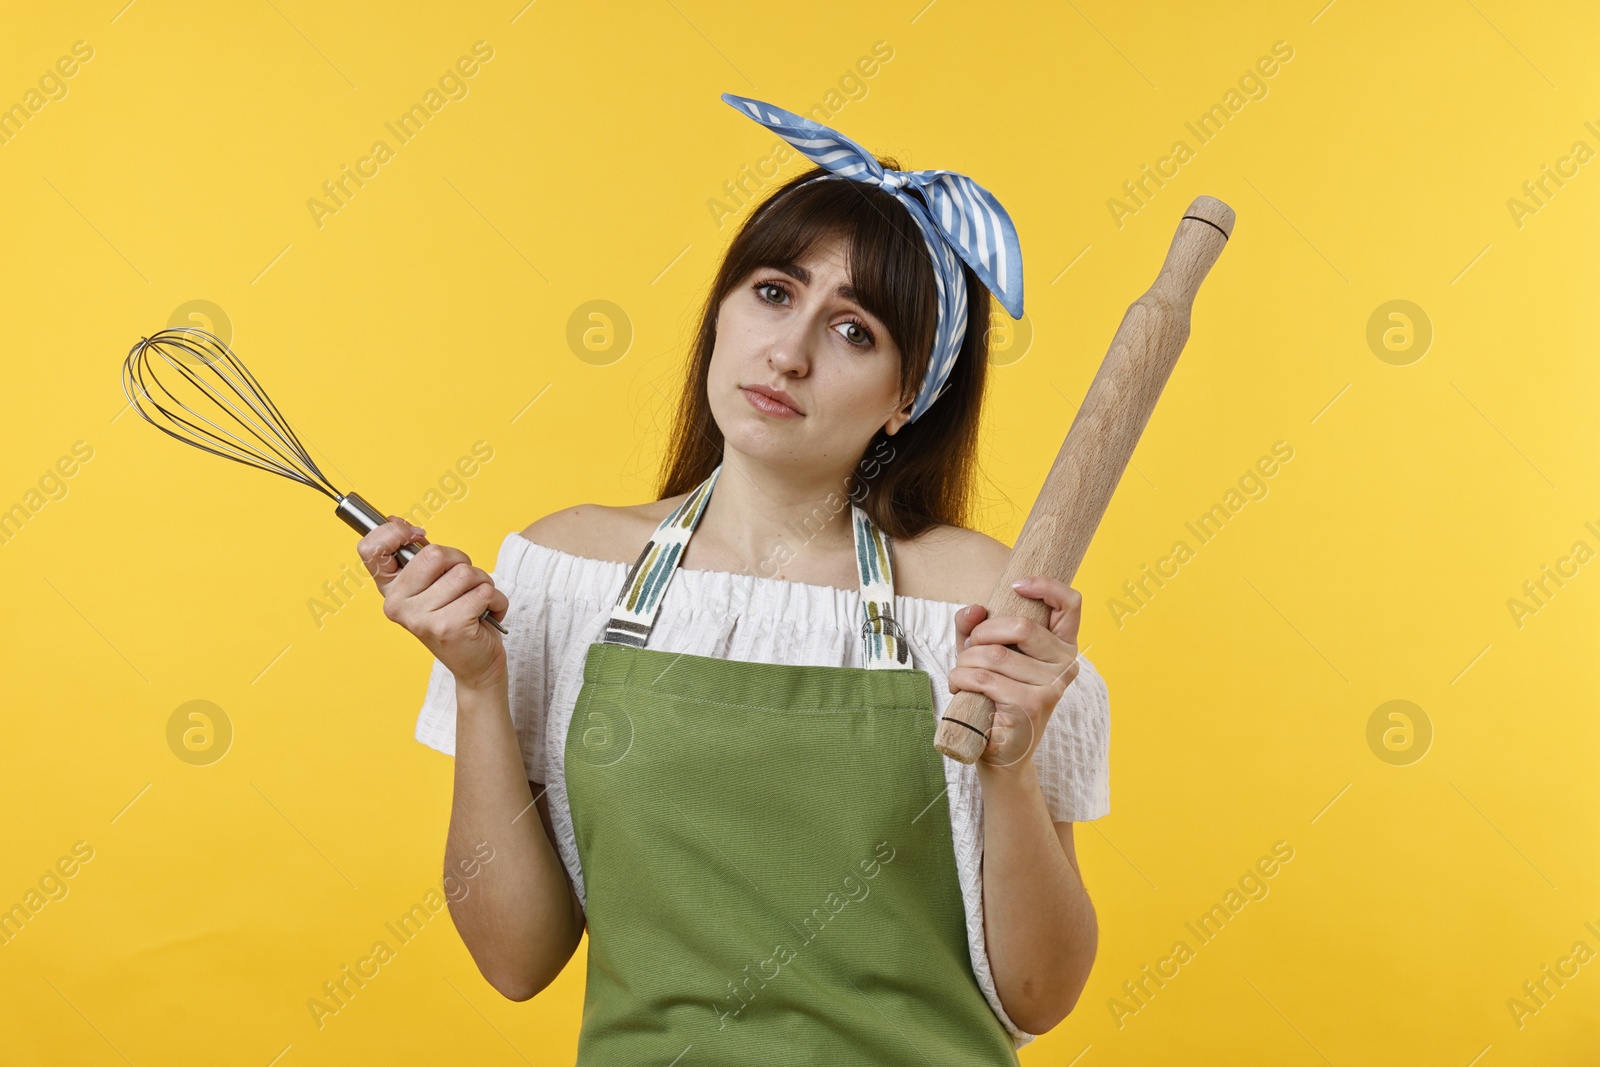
(768, 288)
(856, 334)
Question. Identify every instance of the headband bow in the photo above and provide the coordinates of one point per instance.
(959, 218)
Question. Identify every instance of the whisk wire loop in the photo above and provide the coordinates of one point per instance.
(215, 372)
(276, 449)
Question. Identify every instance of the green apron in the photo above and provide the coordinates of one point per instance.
(766, 849)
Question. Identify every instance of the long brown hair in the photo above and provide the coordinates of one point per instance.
(921, 476)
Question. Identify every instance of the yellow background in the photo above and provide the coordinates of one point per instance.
(433, 308)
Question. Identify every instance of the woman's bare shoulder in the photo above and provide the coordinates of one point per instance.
(601, 531)
(949, 563)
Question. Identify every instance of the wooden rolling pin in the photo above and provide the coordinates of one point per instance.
(1099, 444)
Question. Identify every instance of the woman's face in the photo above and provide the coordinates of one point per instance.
(792, 330)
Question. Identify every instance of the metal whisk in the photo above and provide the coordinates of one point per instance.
(207, 373)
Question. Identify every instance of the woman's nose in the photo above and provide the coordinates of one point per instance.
(790, 347)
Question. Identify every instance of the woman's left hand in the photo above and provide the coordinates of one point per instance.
(1025, 683)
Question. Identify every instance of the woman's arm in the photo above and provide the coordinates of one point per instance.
(1038, 920)
(517, 912)
(1037, 916)
(519, 918)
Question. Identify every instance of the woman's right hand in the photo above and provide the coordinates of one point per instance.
(439, 597)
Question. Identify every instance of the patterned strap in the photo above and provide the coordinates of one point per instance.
(635, 610)
(885, 646)
(634, 614)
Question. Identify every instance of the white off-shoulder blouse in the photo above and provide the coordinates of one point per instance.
(560, 604)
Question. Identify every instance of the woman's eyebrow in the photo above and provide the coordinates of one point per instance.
(803, 276)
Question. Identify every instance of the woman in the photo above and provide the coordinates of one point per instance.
(734, 765)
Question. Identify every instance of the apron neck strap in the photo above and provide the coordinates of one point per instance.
(634, 614)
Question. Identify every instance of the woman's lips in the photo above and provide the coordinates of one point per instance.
(762, 402)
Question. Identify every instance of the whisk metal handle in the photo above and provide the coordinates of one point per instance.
(364, 518)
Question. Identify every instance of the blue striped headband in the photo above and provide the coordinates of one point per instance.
(960, 218)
